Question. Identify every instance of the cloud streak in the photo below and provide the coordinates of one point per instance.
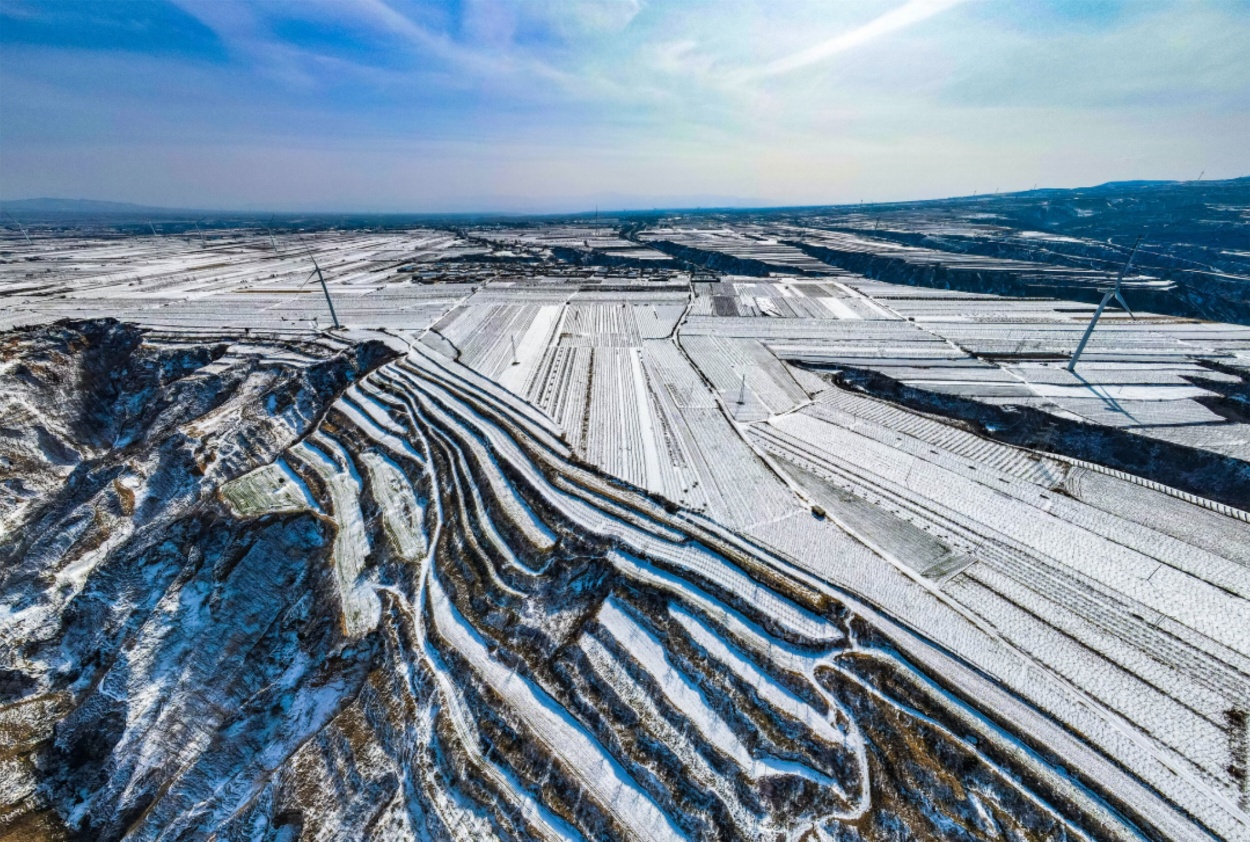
(909, 14)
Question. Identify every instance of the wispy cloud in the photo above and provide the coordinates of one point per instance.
(909, 14)
(399, 102)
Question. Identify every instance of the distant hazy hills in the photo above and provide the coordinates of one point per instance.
(1011, 204)
(96, 208)
(81, 206)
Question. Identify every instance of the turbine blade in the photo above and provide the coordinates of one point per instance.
(1124, 304)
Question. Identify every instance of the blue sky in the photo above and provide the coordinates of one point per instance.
(400, 105)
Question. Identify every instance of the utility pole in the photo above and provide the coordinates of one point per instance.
(1113, 292)
(201, 233)
(512, 339)
(742, 390)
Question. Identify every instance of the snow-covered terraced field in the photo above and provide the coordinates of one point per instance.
(553, 553)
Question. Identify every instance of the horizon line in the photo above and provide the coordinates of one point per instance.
(136, 207)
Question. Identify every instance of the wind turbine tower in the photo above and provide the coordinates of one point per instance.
(272, 241)
(20, 227)
(1113, 292)
(320, 277)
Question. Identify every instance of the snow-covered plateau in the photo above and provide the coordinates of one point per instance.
(617, 532)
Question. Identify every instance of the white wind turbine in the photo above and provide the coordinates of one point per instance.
(1112, 292)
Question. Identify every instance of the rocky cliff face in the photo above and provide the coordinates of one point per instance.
(123, 583)
(253, 589)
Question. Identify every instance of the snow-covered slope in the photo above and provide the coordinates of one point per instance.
(258, 589)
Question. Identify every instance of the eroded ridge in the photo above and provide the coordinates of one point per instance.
(426, 619)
